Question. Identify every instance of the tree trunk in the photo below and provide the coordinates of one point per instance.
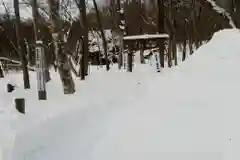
(161, 30)
(61, 58)
(21, 47)
(121, 28)
(103, 35)
(169, 54)
(1, 70)
(142, 44)
(85, 36)
(174, 45)
(194, 28)
(184, 41)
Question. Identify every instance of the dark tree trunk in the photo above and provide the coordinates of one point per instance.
(184, 41)
(161, 30)
(1, 71)
(81, 4)
(103, 35)
(21, 46)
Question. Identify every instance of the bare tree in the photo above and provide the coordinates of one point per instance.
(184, 54)
(103, 35)
(21, 46)
(161, 29)
(121, 27)
(61, 57)
(81, 4)
(1, 70)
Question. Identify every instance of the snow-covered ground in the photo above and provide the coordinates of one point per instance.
(189, 112)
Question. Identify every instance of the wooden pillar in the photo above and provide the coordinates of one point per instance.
(161, 52)
(40, 69)
(1, 71)
(130, 59)
(142, 43)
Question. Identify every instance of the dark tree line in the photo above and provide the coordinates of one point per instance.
(188, 22)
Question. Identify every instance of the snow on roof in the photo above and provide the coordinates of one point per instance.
(145, 36)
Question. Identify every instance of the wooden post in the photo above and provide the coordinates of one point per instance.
(142, 43)
(130, 59)
(21, 47)
(169, 53)
(157, 62)
(1, 70)
(20, 105)
(161, 52)
(40, 68)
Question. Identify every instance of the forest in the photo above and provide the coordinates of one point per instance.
(70, 44)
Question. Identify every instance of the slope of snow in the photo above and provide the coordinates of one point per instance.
(187, 112)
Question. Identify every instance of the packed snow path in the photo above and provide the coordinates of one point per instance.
(190, 112)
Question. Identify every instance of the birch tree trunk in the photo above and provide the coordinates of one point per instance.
(21, 46)
(61, 57)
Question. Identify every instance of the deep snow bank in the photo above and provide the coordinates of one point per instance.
(187, 112)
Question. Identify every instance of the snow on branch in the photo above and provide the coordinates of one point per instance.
(221, 11)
